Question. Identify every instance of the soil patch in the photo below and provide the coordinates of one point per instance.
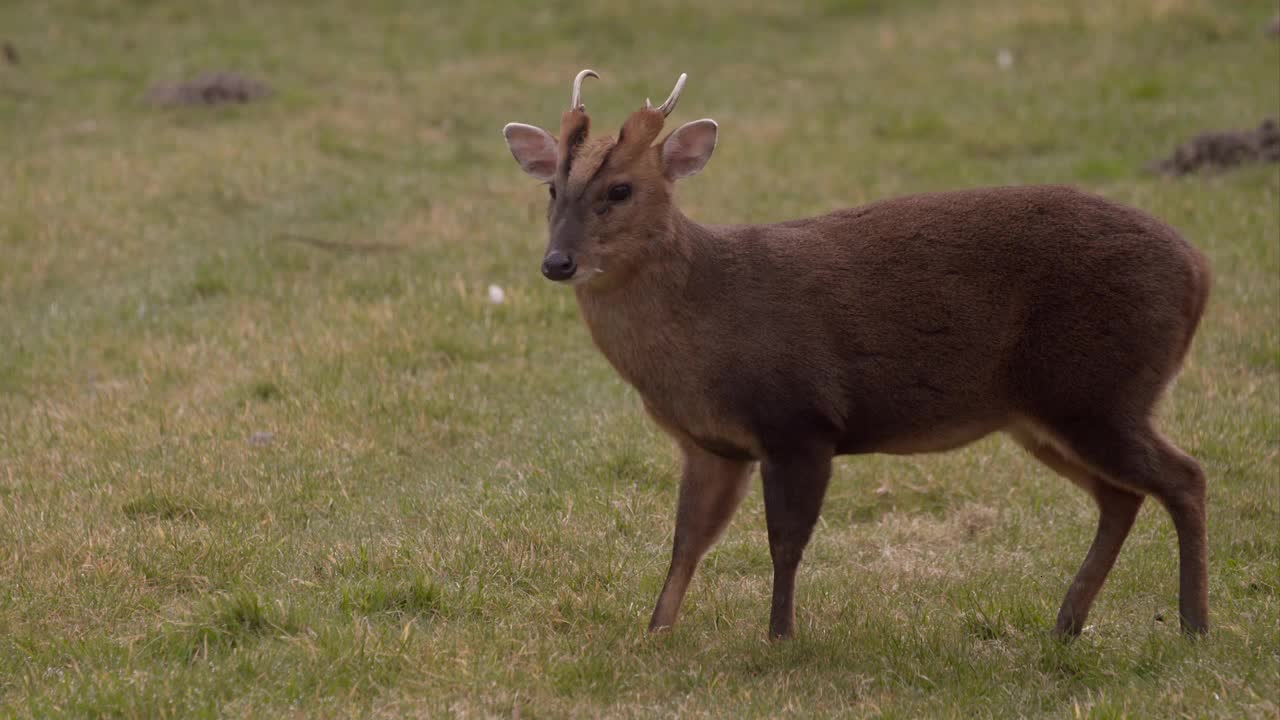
(213, 89)
(1222, 150)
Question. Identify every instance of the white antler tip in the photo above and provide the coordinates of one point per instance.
(670, 103)
(575, 103)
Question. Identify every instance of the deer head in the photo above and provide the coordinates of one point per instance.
(611, 198)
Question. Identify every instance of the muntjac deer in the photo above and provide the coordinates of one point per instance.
(912, 325)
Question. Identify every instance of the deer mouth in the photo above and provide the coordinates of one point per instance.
(583, 276)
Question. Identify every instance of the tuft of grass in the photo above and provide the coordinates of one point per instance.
(417, 597)
(162, 507)
(264, 390)
(232, 621)
(209, 282)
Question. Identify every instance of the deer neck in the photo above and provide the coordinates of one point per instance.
(643, 325)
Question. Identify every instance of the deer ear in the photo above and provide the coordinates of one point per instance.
(533, 148)
(688, 149)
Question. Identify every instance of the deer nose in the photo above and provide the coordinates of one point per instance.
(558, 266)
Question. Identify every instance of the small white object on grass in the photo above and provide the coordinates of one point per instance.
(1004, 58)
(496, 295)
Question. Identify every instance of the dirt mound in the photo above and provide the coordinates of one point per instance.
(1222, 150)
(213, 89)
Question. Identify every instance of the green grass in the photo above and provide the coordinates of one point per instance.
(267, 449)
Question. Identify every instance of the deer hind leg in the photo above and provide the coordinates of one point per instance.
(711, 488)
(1185, 500)
(793, 493)
(1136, 458)
(1117, 509)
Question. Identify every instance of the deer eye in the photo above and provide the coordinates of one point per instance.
(618, 193)
(552, 188)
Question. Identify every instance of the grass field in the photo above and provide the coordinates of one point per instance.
(267, 449)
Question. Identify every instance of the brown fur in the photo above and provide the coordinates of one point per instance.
(637, 135)
(910, 325)
(575, 126)
(590, 157)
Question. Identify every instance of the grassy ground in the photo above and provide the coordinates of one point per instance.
(267, 449)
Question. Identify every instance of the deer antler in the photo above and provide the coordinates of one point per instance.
(670, 103)
(576, 102)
